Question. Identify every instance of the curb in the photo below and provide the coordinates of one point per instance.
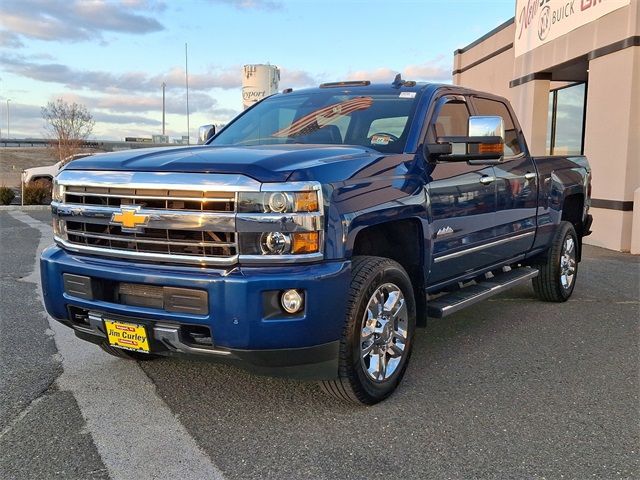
(25, 207)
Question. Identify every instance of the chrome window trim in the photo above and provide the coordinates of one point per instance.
(481, 247)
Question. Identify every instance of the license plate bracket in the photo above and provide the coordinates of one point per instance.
(127, 335)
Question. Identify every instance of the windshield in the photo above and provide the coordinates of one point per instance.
(378, 121)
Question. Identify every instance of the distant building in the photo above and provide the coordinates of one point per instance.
(572, 72)
(160, 138)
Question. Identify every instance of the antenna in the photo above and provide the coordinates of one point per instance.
(186, 79)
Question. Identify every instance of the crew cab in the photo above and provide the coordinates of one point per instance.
(311, 235)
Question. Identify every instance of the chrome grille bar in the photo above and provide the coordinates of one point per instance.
(119, 238)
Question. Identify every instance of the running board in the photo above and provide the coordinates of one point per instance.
(455, 301)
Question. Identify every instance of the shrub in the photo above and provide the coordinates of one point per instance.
(37, 193)
(6, 195)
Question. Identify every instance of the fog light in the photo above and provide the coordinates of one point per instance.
(291, 301)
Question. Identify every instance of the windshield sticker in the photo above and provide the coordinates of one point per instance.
(324, 116)
(380, 140)
(407, 94)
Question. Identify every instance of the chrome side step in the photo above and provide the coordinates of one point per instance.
(455, 301)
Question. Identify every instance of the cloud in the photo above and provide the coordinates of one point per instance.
(77, 20)
(23, 111)
(429, 71)
(125, 119)
(10, 40)
(297, 78)
(251, 4)
(174, 104)
(128, 82)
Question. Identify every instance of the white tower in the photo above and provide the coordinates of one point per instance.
(258, 82)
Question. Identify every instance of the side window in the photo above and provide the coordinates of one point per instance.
(452, 120)
(499, 109)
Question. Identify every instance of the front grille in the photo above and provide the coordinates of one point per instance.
(184, 200)
(171, 217)
(153, 240)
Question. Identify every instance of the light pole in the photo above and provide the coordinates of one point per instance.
(8, 128)
(163, 87)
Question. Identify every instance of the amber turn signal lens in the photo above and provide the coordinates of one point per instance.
(305, 242)
(306, 201)
(491, 148)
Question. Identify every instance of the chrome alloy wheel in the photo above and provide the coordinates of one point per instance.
(568, 263)
(383, 339)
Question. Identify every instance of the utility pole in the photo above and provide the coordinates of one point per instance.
(163, 87)
(8, 128)
(186, 79)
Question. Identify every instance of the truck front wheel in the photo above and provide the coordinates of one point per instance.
(559, 269)
(378, 332)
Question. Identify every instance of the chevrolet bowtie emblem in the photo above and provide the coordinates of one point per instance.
(130, 220)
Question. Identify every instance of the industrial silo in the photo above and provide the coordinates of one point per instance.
(258, 81)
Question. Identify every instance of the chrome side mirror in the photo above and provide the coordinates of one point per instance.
(484, 143)
(484, 126)
(205, 133)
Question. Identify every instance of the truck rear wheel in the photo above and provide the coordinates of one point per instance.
(126, 354)
(378, 332)
(559, 269)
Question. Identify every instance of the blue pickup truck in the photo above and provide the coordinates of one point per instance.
(311, 235)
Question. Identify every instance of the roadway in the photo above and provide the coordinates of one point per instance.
(512, 388)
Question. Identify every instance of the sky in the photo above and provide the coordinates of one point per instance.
(113, 56)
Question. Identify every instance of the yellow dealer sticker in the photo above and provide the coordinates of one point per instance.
(129, 336)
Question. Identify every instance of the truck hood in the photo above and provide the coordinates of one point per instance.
(272, 163)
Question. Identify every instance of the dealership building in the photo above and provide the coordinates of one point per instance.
(571, 69)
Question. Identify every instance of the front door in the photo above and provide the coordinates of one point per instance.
(462, 200)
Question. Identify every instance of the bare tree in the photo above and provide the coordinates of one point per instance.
(68, 125)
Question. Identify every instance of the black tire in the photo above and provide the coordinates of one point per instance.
(550, 285)
(371, 275)
(126, 354)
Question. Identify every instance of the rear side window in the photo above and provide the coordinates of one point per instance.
(499, 109)
(452, 120)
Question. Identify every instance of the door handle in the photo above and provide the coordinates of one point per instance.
(486, 180)
(529, 176)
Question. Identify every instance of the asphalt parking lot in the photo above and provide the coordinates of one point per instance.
(512, 388)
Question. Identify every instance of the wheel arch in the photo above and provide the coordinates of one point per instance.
(35, 178)
(402, 241)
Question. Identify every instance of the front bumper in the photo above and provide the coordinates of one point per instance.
(303, 345)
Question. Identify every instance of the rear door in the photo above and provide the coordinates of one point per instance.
(516, 183)
(462, 200)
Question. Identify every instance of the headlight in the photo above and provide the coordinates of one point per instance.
(57, 192)
(280, 243)
(280, 222)
(278, 202)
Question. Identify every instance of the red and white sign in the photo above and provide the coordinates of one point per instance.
(540, 21)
